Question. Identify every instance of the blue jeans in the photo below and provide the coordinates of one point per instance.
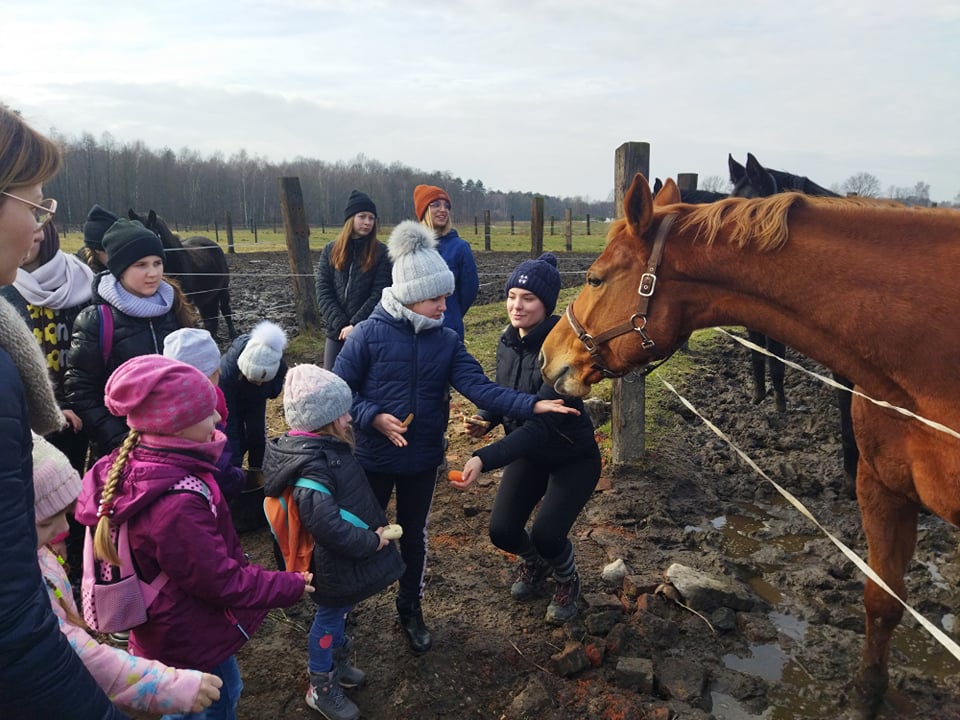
(326, 635)
(226, 707)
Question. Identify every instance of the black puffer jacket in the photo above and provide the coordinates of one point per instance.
(345, 297)
(550, 438)
(347, 565)
(87, 373)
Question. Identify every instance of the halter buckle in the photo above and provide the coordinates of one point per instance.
(648, 282)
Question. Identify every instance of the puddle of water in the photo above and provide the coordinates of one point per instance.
(766, 661)
(726, 707)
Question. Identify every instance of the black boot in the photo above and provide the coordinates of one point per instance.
(411, 620)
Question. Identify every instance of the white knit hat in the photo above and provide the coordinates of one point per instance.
(195, 347)
(314, 397)
(260, 359)
(419, 272)
(56, 483)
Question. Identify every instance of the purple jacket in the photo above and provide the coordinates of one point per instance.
(215, 598)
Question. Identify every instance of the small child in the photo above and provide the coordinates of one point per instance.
(351, 557)
(197, 348)
(160, 480)
(130, 681)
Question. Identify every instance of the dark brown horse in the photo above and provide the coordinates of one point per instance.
(200, 267)
(859, 286)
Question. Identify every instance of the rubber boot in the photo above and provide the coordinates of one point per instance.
(411, 620)
(350, 676)
(326, 697)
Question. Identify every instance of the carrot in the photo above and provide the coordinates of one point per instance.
(455, 476)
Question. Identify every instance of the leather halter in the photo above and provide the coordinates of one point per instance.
(638, 321)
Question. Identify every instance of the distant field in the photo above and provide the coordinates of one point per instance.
(269, 240)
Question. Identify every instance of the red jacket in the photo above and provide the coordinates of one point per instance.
(215, 597)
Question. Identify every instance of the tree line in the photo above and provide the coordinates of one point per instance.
(190, 190)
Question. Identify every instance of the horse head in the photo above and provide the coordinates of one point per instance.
(591, 345)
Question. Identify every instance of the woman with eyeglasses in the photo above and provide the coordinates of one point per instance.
(40, 674)
(433, 208)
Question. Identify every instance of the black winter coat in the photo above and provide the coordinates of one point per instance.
(87, 373)
(347, 566)
(345, 297)
(549, 439)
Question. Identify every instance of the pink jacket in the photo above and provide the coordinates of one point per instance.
(129, 681)
(215, 598)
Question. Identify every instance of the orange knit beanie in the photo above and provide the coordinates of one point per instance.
(423, 195)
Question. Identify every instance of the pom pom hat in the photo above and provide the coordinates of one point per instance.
(159, 395)
(126, 242)
(260, 359)
(98, 222)
(540, 277)
(56, 483)
(358, 202)
(423, 195)
(314, 397)
(195, 347)
(419, 273)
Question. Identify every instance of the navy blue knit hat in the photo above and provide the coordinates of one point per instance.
(358, 202)
(98, 222)
(540, 277)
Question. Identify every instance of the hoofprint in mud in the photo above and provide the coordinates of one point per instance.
(784, 643)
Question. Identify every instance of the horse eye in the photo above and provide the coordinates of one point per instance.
(593, 281)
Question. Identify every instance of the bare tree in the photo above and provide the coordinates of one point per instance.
(715, 183)
(863, 184)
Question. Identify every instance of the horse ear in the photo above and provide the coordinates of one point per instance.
(760, 178)
(132, 214)
(669, 194)
(152, 219)
(737, 171)
(657, 184)
(638, 205)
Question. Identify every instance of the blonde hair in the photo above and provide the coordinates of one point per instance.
(103, 545)
(338, 253)
(343, 434)
(26, 156)
(443, 230)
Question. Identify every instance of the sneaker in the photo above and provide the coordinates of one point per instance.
(326, 697)
(528, 583)
(563, 606)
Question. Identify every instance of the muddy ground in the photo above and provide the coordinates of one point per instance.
(690, 501)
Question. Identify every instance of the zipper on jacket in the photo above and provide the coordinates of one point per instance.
(233, 619)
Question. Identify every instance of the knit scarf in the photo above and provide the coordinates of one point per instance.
(21, 345)
(62, 282)
(400, 311)
(160, 303)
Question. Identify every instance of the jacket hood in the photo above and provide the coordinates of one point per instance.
(287, 457)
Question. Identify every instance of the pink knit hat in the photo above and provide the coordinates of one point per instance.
(56, 483)
(159, 395)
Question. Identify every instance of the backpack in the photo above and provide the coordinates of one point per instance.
(293, 539)
(114, 598)
(106, 331)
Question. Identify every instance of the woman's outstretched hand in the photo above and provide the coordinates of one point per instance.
(554, 406)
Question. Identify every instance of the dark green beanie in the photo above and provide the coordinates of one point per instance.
(98, 222)
(126, 242)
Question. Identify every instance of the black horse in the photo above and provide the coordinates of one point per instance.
(200, 267)
(754, 180)
(692, 196)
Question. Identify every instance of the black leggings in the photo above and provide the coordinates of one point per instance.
(562, 491)
(414, 498)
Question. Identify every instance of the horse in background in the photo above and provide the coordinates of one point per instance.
(200, 266)
(827, 276)
(751, 181)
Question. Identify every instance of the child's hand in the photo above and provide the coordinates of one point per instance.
(392, 427)
(307, 579)
(209, 692)
(554, 406)
(383, 541)
(471, 471)
(475, 426)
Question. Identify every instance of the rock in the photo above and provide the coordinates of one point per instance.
(681, 679)
(723, 619)
(600, 623)
(704, 592)
(634, 673)
(570, 661)
(531, 701)
(602, 601)
(614, 572)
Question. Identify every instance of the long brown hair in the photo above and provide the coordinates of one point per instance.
(26, 156)
(187, 314)
(338, 254)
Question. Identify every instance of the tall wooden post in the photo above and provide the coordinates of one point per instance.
(511, 225)
(568, 228)
(486, 230)
(298, 251)
(536, 226)
(230, 234)
(627, 431)
(588, 223)
(687, 181)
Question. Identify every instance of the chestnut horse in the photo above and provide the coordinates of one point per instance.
(858, 286)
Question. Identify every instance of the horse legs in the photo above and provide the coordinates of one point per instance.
(776, 372)
(758, 365)
(848, 441)
(890, 525)
(227, 312)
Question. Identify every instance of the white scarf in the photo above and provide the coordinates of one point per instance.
(62, 282)
(401, 312)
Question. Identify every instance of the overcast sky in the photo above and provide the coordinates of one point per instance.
(522, 94)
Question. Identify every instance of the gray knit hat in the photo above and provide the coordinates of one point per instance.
(314, 397)
(195, 347)
(419, 272)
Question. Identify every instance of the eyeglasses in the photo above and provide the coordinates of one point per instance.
(42, 212)
(437, 204)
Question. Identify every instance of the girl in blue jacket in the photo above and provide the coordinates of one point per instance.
(399, 363)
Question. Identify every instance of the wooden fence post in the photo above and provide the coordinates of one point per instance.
(627, 432)
(298, 251)
(687, 181)
(551, 224)
(476, 230)
(216, 231)
(486, 230)
(511, 225)
(229, 221)
(588, 223)
(536, 226)
(568, 228)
